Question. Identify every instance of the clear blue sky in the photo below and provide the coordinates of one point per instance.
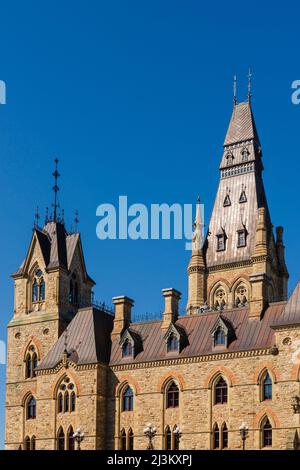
(135, 98)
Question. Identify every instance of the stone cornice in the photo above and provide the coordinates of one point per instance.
(192, 359)
(226, 266)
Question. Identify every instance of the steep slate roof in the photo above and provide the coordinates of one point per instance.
(242, 126)
(241, 134)
(57, 246)
(88, 339)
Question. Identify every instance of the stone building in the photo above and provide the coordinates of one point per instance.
(233, 360)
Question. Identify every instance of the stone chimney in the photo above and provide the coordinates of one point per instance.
(122, 319)
(172, 297)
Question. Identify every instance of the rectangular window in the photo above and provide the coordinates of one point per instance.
(220, 242)
(241, 238)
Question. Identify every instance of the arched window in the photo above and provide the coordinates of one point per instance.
(168, 438)
(220, 337)
(31, 363)
(267, 433)
(38, 287)
(176, 438)
(31, 408)
(220, 299)
(73, 401)
(60, 404)
(172, 396)
(71, 441)
(27, 443)
(66, 396)
(33, 443)
(130, 439)
(28, 372)
(128, 399)
(267, 387)
(221, 391)
(241, 296)
(172, 344)
(216, 437)
(123, 440)
(127, 349)
(224, 436)
(61, 440)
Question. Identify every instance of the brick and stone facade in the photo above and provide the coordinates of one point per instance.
(71, 365)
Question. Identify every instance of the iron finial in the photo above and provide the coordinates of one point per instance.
(55, 189)
(234, 90)
(249, 85)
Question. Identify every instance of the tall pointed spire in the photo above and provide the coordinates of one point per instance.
(198, 227)
(55, 189)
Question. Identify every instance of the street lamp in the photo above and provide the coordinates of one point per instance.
(78, 436)
(150, 432)
(244, 432)
(296, 404)
(177, 435)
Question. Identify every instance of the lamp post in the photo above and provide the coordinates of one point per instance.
(177, 435)
(150, 432)
(244, 432)
(296, 404)
(78, 436)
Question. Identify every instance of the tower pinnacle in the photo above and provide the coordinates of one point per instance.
(249, 85)
(55, 189)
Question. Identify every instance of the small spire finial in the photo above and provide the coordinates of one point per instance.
(249, 84)
(55, 189)
(47, 216)
(234, 90)
(76, 221)
(36, 217)
(198, 199)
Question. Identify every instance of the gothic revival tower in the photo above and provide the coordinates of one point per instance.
(240, 262)
(50, 286)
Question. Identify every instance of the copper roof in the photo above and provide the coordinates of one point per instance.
(291, 312)
(88, 340)
(250, 334)
(89, 335)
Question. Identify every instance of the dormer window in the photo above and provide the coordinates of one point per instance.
(127, 348)
(219, 337)
(172, 343)
(38, 287)
(131, 344)
(221, 242)
(175, 338)
(222, 333)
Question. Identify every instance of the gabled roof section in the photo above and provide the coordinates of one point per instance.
(57, 246)
(88, 340)
(226, 325)
(242, 125)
